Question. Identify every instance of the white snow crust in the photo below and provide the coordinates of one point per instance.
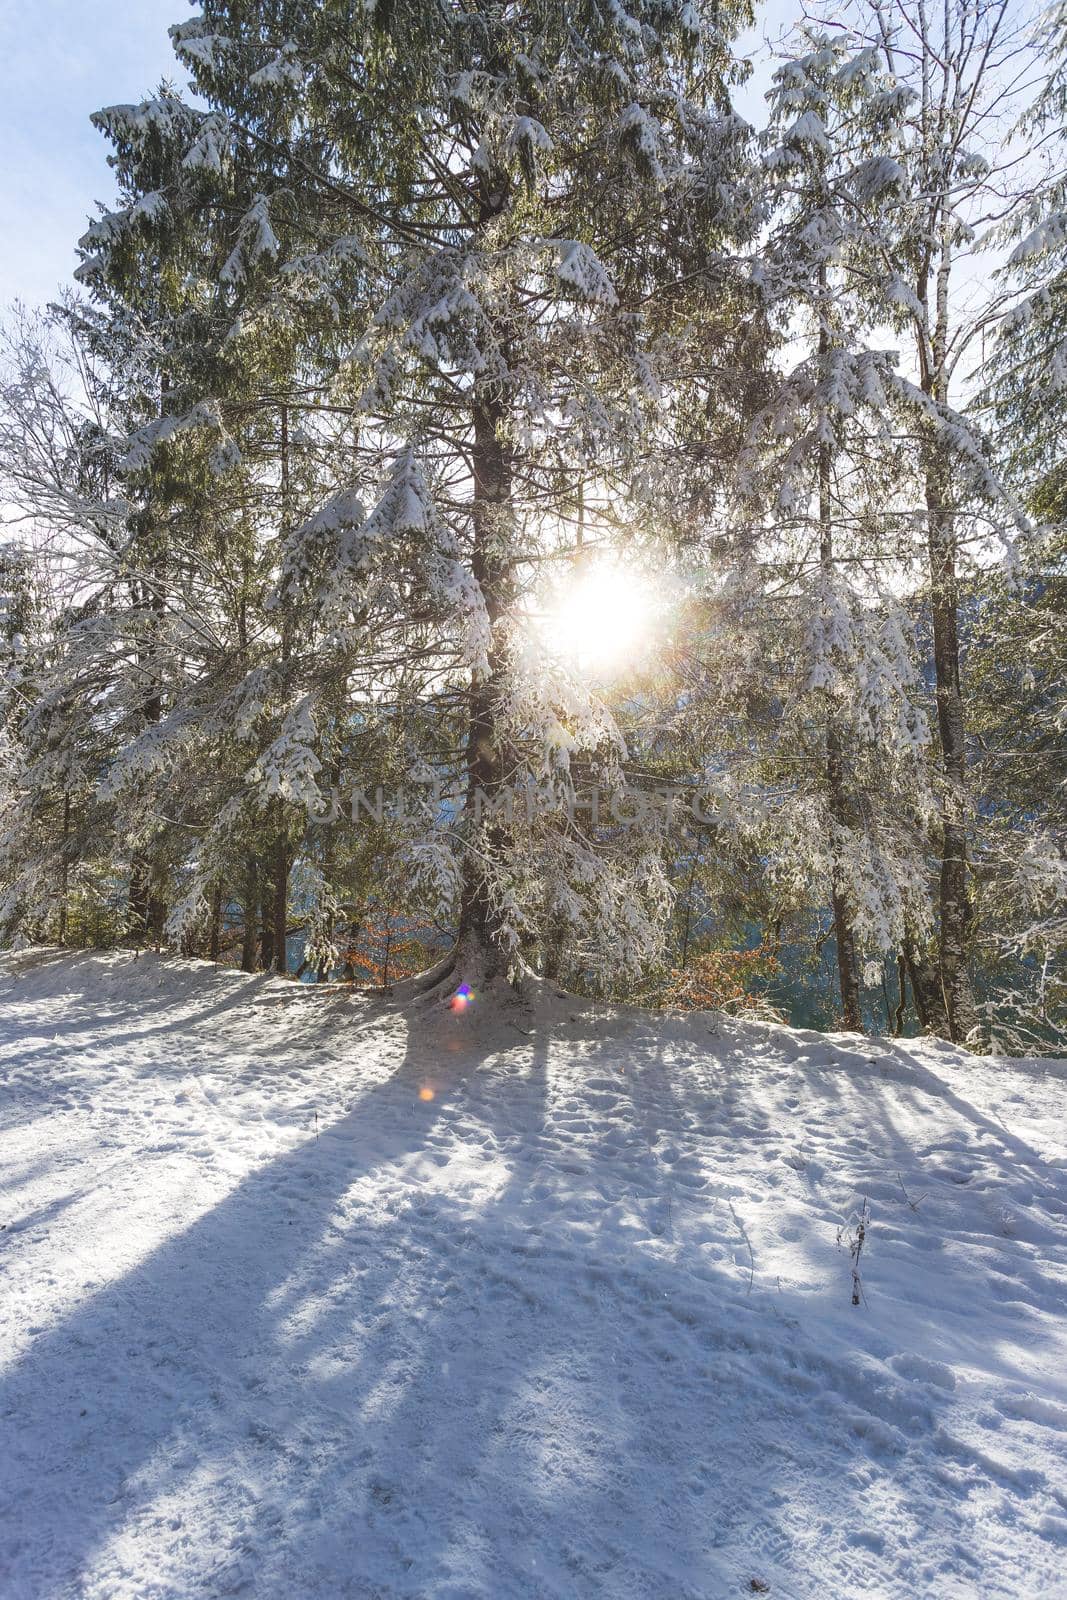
(305, 1295)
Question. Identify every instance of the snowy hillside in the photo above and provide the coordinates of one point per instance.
(303, 1297)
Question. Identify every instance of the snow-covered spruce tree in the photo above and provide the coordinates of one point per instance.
(218, 473)
(19, 642)
(1017, 637)
(83, 384)
(1026, 372)
(154, 700)
(55, 449)
(799, 691)
(19, 628)
(525, 197)
(143, 326)
(762, 656)
(195, 793)
(954, 71)
(190, 553)
(819, 452)
(1016, 651)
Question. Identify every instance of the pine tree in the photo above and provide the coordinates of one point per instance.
(943, 71)
(469, 225)
(819, 447)
(1017, 636)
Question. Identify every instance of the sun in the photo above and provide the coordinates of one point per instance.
(602, 618)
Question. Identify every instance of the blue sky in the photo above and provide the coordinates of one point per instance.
(60, 60)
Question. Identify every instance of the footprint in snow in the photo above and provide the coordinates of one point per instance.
(1031, 1408)
(921, 1370)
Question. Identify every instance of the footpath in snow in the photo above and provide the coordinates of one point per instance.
(305, 1298)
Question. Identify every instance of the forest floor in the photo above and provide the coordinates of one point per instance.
(304, 1297)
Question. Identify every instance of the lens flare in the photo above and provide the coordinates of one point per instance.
(463, 997)
(604, 619)
(426, 1093)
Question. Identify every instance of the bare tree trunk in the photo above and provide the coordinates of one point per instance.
(965, 63)
(844, 937)
(478, 946)
(479, 956)
(954, 893)
(281, 843)
(960, 1018)
(148, 592)
(847, 966)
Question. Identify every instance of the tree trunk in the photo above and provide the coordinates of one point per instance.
(554, 945)
(480, 957)
(148, 590)
(157, 918)
(266, 922)
(147, 913)
(844, 938)
(139, 897)
(687, 926)
(957, 1014)
(280, 912)
(64, 872)
(847, 966)
(250, 910)
(902, 992)
(479, 922)
(329, 865)
(925, 978)
(960, 1012)
(281, 899)
(215, 932)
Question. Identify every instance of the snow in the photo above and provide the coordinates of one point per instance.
(306, 1295)
(256, 238)
(580, 267)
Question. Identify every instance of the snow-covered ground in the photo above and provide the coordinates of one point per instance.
(306, 1297)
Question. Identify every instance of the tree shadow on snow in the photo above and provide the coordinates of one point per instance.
(382, 1365)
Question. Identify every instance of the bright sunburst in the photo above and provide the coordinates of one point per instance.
(602, 618)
